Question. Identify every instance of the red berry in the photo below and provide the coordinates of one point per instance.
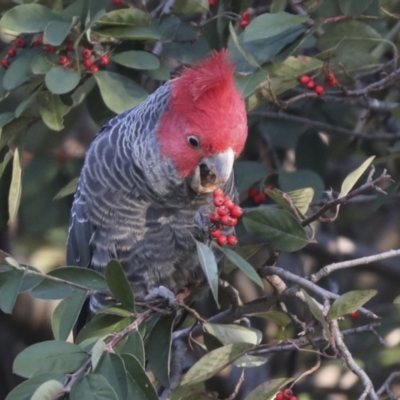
(69, 47)
(218, 193)
(288, 393)
(86, 53)
(116, 3)
(214, 217)
(311, 85)
(246, 16)
(222, 240)
(329, 76)
(104, 60)
(279, 396)
(62, 60)
(354, 315)
(252, 192)
(20, 42)
(218, 201)
(243, 23)
(222, 211)
(304, 79)
(319, 89)
(212, 3)
(236, 212)
(216, 233)
(228, 203)
(260, 198)
(12, 52)
(332, 83)
(48, 48)
(39, 39)
(87, 63)
(35, 44)
(5, 63)
(232, 240)
(227, 220)
(94, 68)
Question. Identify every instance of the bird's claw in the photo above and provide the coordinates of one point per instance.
(164, 293)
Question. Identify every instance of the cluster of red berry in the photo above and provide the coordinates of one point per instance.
(94, 65)
(226, 214)
(259, 197)
(18, 43)
(245, 19)
(330, 80)
(287, 394)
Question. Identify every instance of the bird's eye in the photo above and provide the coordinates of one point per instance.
(193, 141)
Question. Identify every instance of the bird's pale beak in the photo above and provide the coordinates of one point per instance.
(213, 172)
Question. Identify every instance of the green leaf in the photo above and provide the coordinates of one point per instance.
(396, 301)
(137, 60)
(82, 91)
(244, 266)
(54, 356)
(87, 278)
(112, 368)
(354, 7)
(354, 176)
(101, 326)
(269, 25)
(131, 33)
(67, 190)
(268, 390)
(48, 390)
(131, 16)
(190, 6)
(278, 6)
(10, 129)
(316, 311)
(214, 362)
(97, 352)
(247, 173)
(210, 268)
(277, 317)
(300, 198)
(28, 18)
(211, 341)
(19, 71)
(93, 387)
(232, 333)
(134, 346)
(52, 110)
(291, 181)
(350, 302)
(9, 292)
(66, 314)
(187, 392)
(119, 93)
(60, 80)
(245, 252)
(56, 32)
(24, 390)
(143, 389)
(279, 228)
(249, 361)
(115, 310)
(158, 348)
(41, 64)
(119, 285)
(14, 195)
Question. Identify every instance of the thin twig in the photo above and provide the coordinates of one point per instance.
(386, 385)
(237, 387)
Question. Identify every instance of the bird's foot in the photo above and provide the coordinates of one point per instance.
(163, 293)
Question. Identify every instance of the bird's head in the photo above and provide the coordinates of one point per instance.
(205, 126)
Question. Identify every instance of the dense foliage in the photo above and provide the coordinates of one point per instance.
(320, 81)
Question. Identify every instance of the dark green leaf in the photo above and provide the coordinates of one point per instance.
(9, 292)
(41, 64)
(134, 346)
(56, 32)
(268, 390)
(48, 390)
(52, 110)
(232, 333)
(119, 285)
(158, 348)
(211, 341)
(278, 317)
(115, 310)
(142, 387)
(25, 103)
(247, 173)
(137, 59)
(97, 352)
(67, 190)
(291, 181)
(187, 392)
(28, 18)
(25, 389)
(214, 362)
(66, 314)
(245, 252)
(279, 228)
(210, 267)
(354, 7)
(131, 16)
(12, 128)
(131, 33)
(50, 356)
(316, 311)
(244, 266)
(112, 368)
(93, 387)
(190, 6)
(349, 302)
(119, 93)
(60, 80)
